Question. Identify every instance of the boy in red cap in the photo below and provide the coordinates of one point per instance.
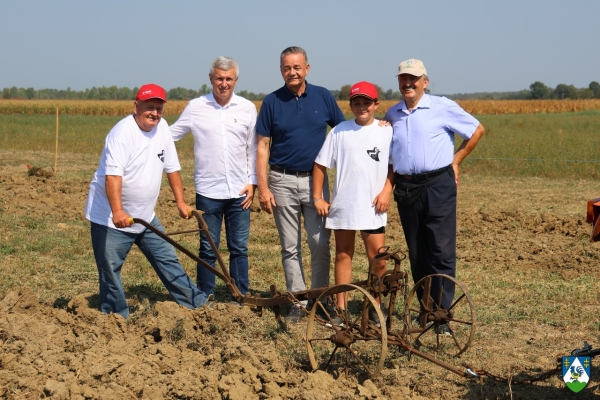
(359, 149)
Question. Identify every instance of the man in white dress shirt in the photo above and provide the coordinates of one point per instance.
(223, 126)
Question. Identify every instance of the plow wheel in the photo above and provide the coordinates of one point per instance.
(355, 344)
(427, 319)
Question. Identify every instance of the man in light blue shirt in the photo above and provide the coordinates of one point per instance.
(427, 175)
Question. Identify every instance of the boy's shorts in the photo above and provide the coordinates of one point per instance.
(374, 231)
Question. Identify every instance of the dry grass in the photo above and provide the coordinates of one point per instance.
(523, 255)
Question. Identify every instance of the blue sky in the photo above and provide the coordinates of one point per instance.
(467, 46)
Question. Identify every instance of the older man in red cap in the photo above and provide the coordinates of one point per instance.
(127, 183)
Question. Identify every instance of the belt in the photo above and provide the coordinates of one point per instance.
(290, 172)
(424, 176)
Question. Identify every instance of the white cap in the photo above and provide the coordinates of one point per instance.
(412, 67)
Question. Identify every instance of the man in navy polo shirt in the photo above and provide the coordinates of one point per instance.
(291, 129)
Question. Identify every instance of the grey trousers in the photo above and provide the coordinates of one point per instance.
(294, 200)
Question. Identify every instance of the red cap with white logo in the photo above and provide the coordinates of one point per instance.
(365, 89)
(151, 91)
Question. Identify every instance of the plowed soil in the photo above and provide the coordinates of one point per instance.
(51, 349)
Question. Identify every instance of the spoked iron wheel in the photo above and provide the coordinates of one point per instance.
(431, 327)
(355, 344)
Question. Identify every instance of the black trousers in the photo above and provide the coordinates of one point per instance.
(429, 225)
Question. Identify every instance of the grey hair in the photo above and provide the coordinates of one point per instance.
(224, 63)
(293, 50)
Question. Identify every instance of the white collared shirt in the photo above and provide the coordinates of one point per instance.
(224, 144)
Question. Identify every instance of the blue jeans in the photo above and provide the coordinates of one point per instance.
(111, 246)
(237, 230)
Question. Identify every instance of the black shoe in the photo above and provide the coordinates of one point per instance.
(335, 321)
(322, 313)
(373, 317)
(416, 320)
(295, 315)
(444, 330)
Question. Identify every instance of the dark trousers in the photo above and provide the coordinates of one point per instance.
(429, 225)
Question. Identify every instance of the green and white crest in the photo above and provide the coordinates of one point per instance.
(576, 372)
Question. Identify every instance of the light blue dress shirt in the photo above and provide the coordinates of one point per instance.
(423, 138)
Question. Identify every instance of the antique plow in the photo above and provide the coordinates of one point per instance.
(358, 342)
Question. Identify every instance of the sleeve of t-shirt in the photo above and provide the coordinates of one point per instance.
(183, 125)
(265, 118)
(459, 121)
(335, 113)
(327, 154)
(116, 154)
(251, 146)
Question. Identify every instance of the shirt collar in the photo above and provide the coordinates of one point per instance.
(425, 102)
(211, 99)
(292, 94)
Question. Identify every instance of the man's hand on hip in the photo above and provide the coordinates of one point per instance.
(455, 168)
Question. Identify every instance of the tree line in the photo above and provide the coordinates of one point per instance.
(537, 90)
(178, 93)
(541, 91)
(110, 93)
(97, 93)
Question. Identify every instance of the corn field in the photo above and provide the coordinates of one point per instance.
(175, 107)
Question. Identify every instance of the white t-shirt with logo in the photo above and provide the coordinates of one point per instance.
(361, 155)
(139, 158)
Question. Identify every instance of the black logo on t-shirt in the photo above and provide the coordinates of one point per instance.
(161, 156)
(374, 154)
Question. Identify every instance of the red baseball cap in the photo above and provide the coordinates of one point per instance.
(365, 89)
(151, 91)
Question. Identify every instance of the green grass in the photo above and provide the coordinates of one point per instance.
(543, 145)
(77, 134)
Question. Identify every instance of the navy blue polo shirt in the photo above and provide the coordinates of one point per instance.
(297, 125)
